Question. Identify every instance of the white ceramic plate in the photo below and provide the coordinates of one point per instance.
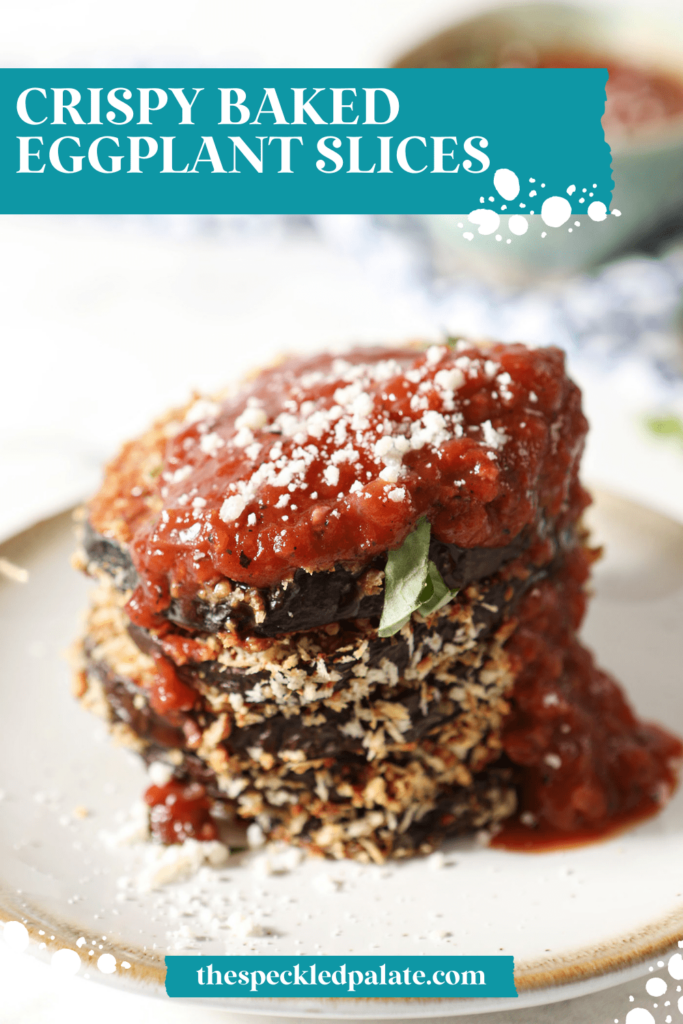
(575, 920)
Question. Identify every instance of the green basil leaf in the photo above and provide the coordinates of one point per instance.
(411, 582)
(404, 579)
(435, 594)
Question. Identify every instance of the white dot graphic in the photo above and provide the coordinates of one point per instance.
(488, 221)
(676, 967)
(571, 190)
(16, 935)
(597, 211)
(66, 961)
(555, 211)
(655, 987)
(106, 963)
(518, 225)
(506, 183)
(639, 1016)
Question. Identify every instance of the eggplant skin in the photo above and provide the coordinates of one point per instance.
(307, 601)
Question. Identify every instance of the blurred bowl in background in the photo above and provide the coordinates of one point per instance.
(643, 124)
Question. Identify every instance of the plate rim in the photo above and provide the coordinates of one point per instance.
(535, 987)
(609, 962)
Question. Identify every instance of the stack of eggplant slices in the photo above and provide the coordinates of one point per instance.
(340, 601)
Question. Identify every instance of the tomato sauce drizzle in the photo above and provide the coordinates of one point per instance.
(180, 811)
(587, 767)
(168, 693)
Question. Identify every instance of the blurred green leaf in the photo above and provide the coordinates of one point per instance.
(666, 426)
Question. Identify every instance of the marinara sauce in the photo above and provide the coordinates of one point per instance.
(587, 767)
(179, 811)
(328, 461)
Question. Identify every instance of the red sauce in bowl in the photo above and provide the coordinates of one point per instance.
(635, 97)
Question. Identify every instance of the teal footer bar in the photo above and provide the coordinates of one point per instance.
(337, 977)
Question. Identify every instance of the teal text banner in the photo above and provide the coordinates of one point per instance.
(301, 141)
(389, 977)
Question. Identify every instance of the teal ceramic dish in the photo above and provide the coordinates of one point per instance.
(647, 157)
